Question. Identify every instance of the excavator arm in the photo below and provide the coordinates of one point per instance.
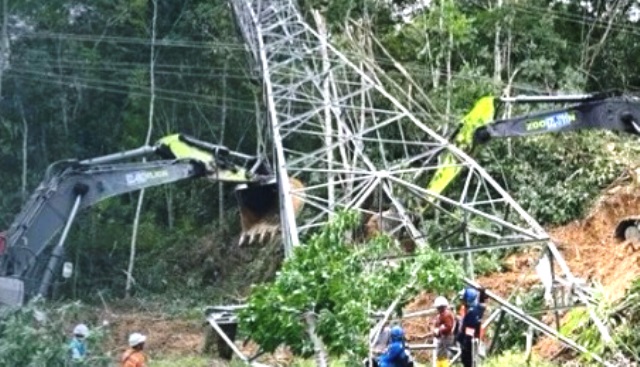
(28, 262)
(606, 111)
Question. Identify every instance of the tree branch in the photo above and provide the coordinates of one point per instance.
(136, 220)
(319, 350)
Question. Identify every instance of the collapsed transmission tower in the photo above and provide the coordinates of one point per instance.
(336, 127)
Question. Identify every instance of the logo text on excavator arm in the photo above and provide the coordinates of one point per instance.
(553, 122)
(142, 177)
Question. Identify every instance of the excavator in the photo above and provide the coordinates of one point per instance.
(613, 110)
(29, 261)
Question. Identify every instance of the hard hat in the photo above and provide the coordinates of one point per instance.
(81, 330)
(440, 302)
(469, 295)
(396, 333)
(136, 338)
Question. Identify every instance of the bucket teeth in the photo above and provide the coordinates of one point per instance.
(261, 233)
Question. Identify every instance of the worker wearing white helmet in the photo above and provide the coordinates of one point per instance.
(134, 356)
(443, 331)
(78, 346)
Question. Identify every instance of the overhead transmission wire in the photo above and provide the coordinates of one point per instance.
(72, 79)
(415, 70)
(578, 19)
(530, 9)
(107, 68)
(168, 98)
(136, 40)
(130, 40)
(535, 10)
(166, 94)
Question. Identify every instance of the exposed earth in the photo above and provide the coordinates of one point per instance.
(588, 246)
(590, 250)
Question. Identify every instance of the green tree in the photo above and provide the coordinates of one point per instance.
(339, 283)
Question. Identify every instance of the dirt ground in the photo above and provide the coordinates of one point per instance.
(588, 245)
(166, 335)
(173, 337)
(590, 250)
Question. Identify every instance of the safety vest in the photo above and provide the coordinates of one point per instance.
(133, 358)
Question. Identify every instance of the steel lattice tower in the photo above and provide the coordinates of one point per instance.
(334, 125)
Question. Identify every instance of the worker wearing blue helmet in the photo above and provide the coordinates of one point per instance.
(471, 323)
(396, 354)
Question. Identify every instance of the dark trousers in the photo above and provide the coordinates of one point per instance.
(466, 351)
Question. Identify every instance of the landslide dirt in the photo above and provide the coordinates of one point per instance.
(589, 248)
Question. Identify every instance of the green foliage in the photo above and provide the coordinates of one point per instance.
(512, 359)
(312, 363)
(512, 331)
(626, 316)
(619, 317)
(332, 278)
(557, 177)
(487, 263)
(38, 335)
(180, 362)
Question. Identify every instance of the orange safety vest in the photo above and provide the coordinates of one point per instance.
(133, 358)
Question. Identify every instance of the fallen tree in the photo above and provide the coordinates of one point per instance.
(340, 284)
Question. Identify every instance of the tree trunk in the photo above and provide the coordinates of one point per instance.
(320, 354)
(63, 94)
(4, 47)
(261, 149)
(449, 73)
(497, 54)
(25, 145)
(328, 127)
(223, 118)
(169, 198)
(136, 220)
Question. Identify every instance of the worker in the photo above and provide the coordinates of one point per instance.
(471, 325)
(443, 331)
(397, 354)
(134, 356)
(78, 346)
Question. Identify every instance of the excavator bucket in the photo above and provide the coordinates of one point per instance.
(628, 229)
(260, 210)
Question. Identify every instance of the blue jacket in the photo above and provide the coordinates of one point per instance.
(78, 349)
(394, 356)
(472, 319)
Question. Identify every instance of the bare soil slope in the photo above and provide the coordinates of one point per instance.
(589, 248)
(588, 245)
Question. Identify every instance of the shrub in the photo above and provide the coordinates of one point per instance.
(38, 335)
